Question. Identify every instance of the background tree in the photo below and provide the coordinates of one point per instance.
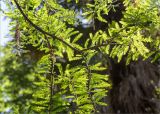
(65, 51)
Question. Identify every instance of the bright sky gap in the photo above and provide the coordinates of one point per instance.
(4, 26)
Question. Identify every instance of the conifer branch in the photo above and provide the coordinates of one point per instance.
(52, 60)
(41, 30)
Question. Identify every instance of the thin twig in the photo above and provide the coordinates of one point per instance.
(60, 39)
(41, 30)
(89, 76)
(53, 60)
